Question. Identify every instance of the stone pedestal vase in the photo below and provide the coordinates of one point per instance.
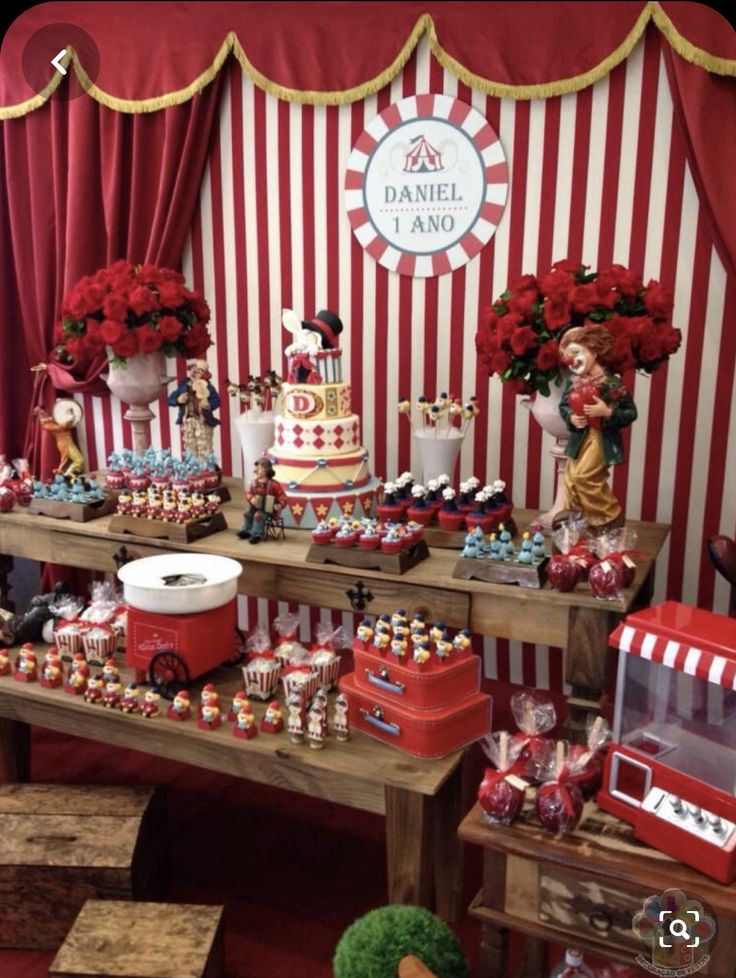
(546, 412)
(139, 382)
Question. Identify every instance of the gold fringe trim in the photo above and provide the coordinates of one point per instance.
(651, 11)
(688, 51)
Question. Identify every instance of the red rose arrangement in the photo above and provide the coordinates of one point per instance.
(132, 309)
(519, 338)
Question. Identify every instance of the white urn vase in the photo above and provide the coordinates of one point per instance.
(438, 453)
(256, 434)
(545, 409)
(138, 382)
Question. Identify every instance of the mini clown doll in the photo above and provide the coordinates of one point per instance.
(93, 692)
(52, 675)
(296, 721)
(113, 694)
(365, 632)
(110, 670)
(26, 666)
(77, 676)
(462, 641)
(150, 705)
(437, 631)
(208, 697)
(168, 512)
(381, 640)
(340, 721)
(130, 703)
(155, 508)
(443, 646)
(245, 723)
(272, 720)
(596, 407)
(398, 645)
(399, 622)
(4, 663)
(421, 653)
(316, 727)
(209, 718)
(239, 701)
(180, 707)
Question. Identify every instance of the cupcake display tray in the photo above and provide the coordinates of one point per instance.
(79, 512)
(397, 563)
(176, 532)
(501, 571)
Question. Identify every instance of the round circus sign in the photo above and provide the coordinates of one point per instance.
(426, 185)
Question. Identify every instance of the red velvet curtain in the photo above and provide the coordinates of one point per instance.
(83, 186)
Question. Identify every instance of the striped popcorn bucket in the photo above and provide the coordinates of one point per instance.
(261, 677)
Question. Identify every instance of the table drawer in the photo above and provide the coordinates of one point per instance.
(329, 590)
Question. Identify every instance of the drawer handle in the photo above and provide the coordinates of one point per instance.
(600, 921)
(383, 682)
(377, 721)
(359, 596)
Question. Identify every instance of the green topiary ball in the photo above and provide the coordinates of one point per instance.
(373, 945)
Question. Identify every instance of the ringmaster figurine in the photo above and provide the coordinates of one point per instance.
(197, 400)
(264, 497)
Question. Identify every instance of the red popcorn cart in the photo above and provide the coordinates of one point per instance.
(182, 618)
(671, 768)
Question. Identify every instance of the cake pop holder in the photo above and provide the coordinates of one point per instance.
(361, 559)
(175, 532)
(501, 571)
(78, 512)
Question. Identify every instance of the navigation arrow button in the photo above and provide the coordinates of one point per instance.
(56, 61)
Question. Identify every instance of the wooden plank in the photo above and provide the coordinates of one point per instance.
(169, 941)
(353, 773)
(520, 616)
(43, 799)
(437, 604)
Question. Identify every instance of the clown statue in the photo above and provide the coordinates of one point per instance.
(596, 406)
(197, 400)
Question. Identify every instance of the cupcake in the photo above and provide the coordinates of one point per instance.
(322, 534)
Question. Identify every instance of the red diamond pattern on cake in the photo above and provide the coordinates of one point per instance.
(318, 443)
(339, 442)
(318, 429)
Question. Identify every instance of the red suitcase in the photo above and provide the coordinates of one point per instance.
(430, 686)
(422, 733)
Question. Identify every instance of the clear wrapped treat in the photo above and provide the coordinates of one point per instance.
(558, 803)
(323, 654)
(501, 792)
(535, 716)
(585, 761)
(258, 644)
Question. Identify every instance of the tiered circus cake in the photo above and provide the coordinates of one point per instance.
(319, 459)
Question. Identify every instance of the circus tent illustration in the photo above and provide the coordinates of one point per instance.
(422, 157)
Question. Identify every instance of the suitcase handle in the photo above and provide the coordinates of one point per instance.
(390, 728)
(383, 682)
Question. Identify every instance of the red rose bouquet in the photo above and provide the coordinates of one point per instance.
(519, 338)
(132, 309)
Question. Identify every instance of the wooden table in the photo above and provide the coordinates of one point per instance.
(422, 800)
(577, 621)
(582, 891)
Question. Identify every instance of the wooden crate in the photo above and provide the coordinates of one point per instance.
(112, 939)
(62, 845)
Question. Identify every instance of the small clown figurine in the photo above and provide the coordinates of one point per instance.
(295, 705)
(110, 670)
(52, 671)
(180, 707)
(365, 632)
(272, 721)
(316, 727)
(421, 653)
(462, 640)
(208, 697)
(239, 701)
(340, 721)
(93, 692)
(26, 666)
(150, 705)
(443, 647)
(4, 663)
(245, 723)
(398, 645)
(209, 718)
(130, 703)
(77, 676)
(113, 694)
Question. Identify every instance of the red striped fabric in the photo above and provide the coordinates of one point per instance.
(599, 175)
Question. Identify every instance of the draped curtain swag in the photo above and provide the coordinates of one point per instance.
(116, 172)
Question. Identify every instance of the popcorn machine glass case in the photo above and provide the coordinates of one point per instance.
(671, 770)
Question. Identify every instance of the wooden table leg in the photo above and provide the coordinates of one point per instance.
(15, 741)
(533, 962)
(409, 847)
(6, 566)
(586, 665)
(494, 939)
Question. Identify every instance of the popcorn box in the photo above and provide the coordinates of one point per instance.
(303, 678)
(99, 643)
(327, 664)
(261, 677)
(68, 638)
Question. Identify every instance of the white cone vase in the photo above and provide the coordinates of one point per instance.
(438, 453)
(139, 382)
(546, 412)
(256, 434)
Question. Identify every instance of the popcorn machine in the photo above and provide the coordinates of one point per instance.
(671, 769)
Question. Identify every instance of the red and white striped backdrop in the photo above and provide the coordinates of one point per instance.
(600, 175)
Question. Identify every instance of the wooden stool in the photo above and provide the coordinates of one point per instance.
(60, 845)
(121, 939)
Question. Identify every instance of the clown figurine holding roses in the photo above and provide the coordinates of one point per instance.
(596, 406)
